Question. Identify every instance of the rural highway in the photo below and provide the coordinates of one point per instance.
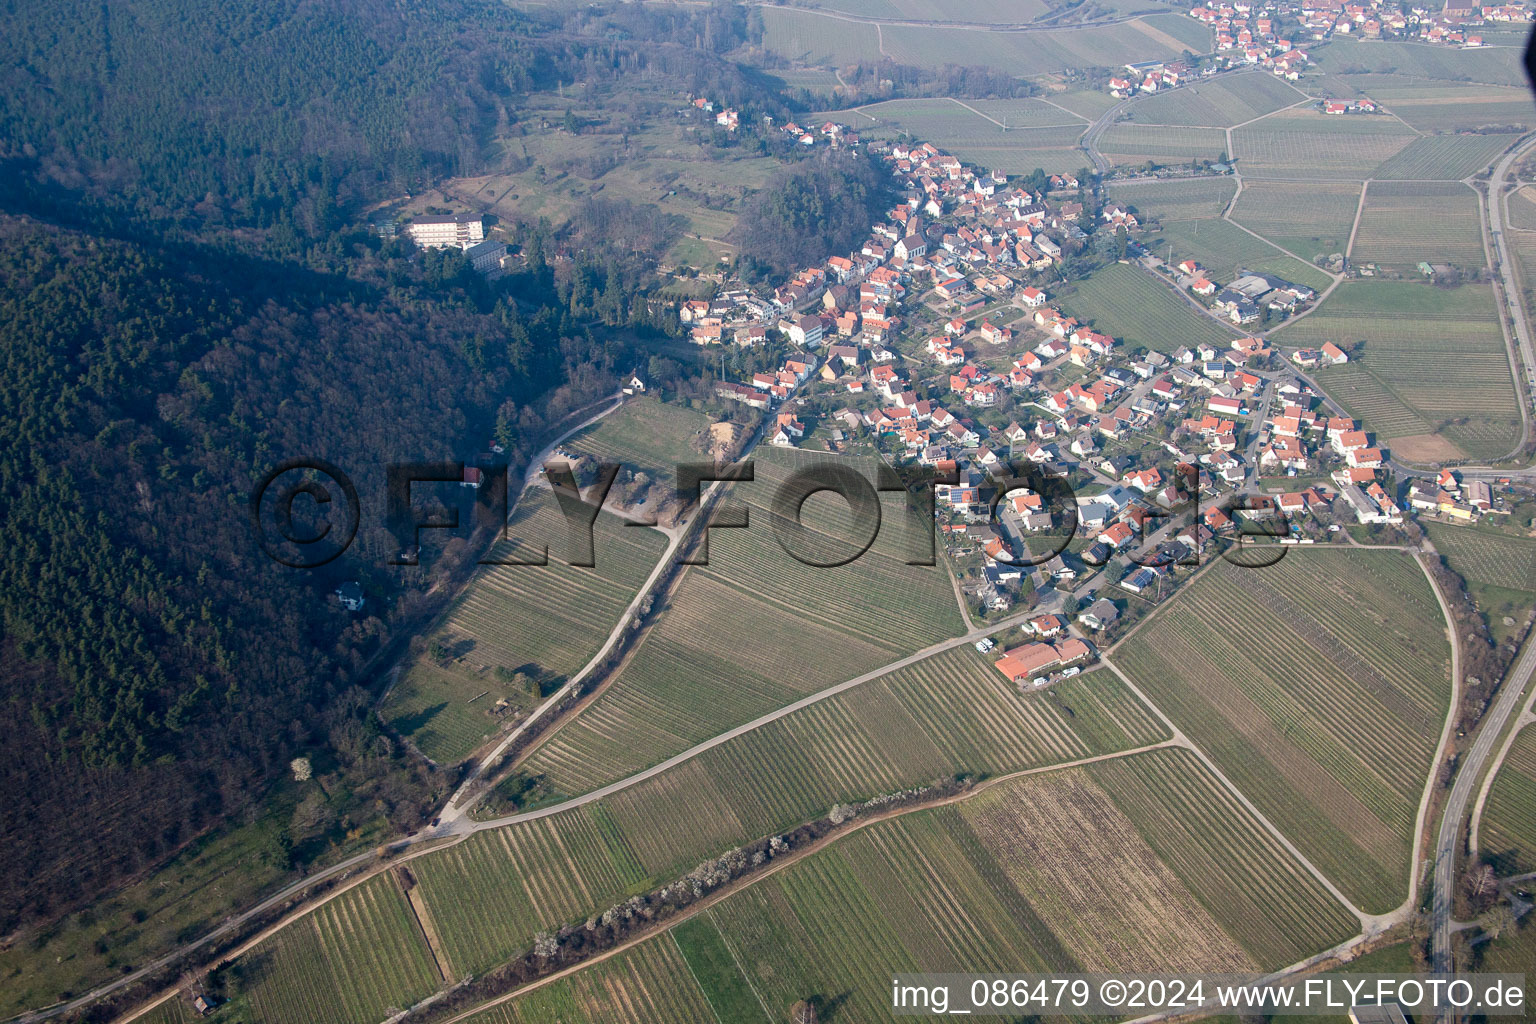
(1514, 298)
(1447, 845)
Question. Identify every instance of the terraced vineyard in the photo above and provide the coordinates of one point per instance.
(993, 11)
(1452, 107)
(1405, 223)
(648, 983)
(1433, 381)
(1027, 113)
(1498, 568)
(734, 643)
(954, 124)
(1447, 157)
(1129, 304)
(353, 959)
(489, 894)
(925, 722)
(813, 38)
(1488, 557)
(1308, 144)
(949, 714)
(1508, 831)
(1160, 36)
(1419, 61)
(1226, 101)
(1308, 218)
(544, 622)
(1242, 875)
(1189, 199)
(1132, 143)
(646, 435)
(1140, 864)
(1319, 685)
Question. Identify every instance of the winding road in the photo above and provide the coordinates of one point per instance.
(1448, 843)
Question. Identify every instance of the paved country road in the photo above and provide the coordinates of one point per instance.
(1513, 296)
(1448, 843)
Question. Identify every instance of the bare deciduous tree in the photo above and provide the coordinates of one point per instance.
(1481, 883)
(545, 945)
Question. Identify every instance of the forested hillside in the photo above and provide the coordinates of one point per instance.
(260, 114)
(816, 208)
(155, 664)
(188, 296)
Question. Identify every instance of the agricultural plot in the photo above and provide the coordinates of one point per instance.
(813, 80)
(1309, 218)
(713, 965)
(354, 959)
(703, 193)
(1087, 105)
(998, 12)
(489, 894)
(949, 714)
(1146, 867)
(1244, 878)
(1187, 199)
(1405, 223)
(733, 645)
(518, 626)
(1129, 304)
(1131, 143)
(647, 983)
(1498, 568)
(1445, 157)
(645, 435)
(1514, 951)
(1157, 37)
(1438, 106)
(991, 882)
(1022, 150)
(1433, 379)
(1227, 101)
(1319, 686)
(952, 713)
(946, 120)
(1021, 135)
(1507, 833)
(1028, 112)
(1222, 248)
(1347, 57)
(1522, 208)
(1308, 144)
(1490, 557)
(810, 38)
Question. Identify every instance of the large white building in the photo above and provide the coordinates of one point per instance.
(486, 256)
(459, 230)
